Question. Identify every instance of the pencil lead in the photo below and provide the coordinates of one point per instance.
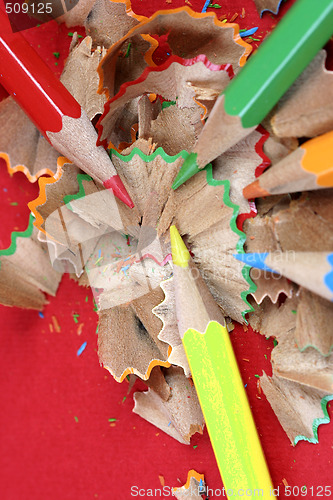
(256, 260)
(187, 170)
(180, 254)
(254, 190)
(119, 190)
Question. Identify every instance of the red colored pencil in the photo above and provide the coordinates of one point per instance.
(53, 109)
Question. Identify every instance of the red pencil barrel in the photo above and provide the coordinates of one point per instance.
(31, 82)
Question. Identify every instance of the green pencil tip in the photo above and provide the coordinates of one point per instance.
(180, 254)
(187, 170)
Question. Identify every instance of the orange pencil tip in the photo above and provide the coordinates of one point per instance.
(254, 190)
(119, 190)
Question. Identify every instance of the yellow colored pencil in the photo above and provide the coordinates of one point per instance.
(216, 377)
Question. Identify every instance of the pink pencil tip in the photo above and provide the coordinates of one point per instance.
(119, 190)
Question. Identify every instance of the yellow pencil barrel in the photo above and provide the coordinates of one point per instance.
(227, 413)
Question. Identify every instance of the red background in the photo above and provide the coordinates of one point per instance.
(46, 453)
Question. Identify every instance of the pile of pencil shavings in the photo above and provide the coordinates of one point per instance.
(149, 117)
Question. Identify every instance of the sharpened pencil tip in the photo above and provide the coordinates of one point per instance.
(254, 190)
(180, 254)
(119, 190)
(187, 170)
(256, 260)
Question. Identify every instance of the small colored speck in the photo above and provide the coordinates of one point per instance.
(265, 356)
(76, 419)
(294, 311)
(128, 49)
(275, 342)
(214, 6)
(169, 423)
(56, 64)
(56, 55)
(201, 487)
(40, 314)
(245, 385)
(204, 9)
(256, 375)
(87, 298)
(112, 420)
(75, 317)
(14, 203)
(81, 349)
(195, 447)
(56, 324)
(124, 398)
(70, 33)
(80, 328)
(251, 31)
(97, 328)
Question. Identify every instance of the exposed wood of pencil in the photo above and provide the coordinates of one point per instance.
(307, 269)
(220, 133)
(77, 141)
(196, 306)
(287, 176)
(307, 168)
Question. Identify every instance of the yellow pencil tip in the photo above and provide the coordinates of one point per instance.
(180, 254)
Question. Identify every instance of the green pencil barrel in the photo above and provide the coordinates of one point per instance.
(227, 412)
(279, 61)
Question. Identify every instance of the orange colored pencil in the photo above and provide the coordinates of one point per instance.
(308, 167)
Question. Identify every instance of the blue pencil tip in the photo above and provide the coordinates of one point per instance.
(254, 260)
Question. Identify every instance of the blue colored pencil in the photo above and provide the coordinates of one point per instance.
(312, 270)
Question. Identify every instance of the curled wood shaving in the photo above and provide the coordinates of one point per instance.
(166, 312)
(180, 416)
(296, 406)
(238, 165)
(314, 314)
(304, 225)
(270, 285)
(270, 5)
(168, 81)
(22, 146)
(189, 34)
(308, 367)
(193, 489)
(158, 384)
(77, 15)
(81, 66)
(176, 129)
(27, 273)
(300, 379)
(128, 338)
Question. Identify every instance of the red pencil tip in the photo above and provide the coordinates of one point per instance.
(119, 190)
(254, 190)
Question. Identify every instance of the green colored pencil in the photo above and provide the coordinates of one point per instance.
(262, 82)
